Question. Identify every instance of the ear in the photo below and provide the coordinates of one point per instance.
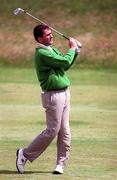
(39, 39)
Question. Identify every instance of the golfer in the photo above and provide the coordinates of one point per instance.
(51, 65)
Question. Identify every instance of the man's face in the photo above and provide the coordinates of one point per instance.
(47, 38)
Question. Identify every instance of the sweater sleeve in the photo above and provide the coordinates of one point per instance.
(55, 60)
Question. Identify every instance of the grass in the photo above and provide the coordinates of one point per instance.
(93, 124)
(73, 6)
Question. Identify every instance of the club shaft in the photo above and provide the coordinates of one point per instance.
(18, 10)
(46, 24)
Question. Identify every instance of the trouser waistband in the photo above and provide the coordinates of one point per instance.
(57, 90)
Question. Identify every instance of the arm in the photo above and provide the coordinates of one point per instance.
(52, 59)
(56, 60)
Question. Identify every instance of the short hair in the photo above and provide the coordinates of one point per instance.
(38, 31)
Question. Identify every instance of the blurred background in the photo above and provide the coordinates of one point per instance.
(93, 22)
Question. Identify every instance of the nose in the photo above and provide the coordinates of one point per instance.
(51, 36)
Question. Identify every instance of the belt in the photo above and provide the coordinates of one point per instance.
(57, 90)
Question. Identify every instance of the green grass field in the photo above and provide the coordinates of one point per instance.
(93, 123)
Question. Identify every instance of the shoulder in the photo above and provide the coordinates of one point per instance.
(43, 51)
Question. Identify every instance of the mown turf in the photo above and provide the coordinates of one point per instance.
(93, 124)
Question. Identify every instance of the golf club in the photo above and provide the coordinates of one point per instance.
(20, 10)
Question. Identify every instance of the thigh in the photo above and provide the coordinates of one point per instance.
(66, 112)
(53, 102)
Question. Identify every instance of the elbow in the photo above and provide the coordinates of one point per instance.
(67, 65)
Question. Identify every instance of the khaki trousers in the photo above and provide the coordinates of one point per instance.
(56, 104)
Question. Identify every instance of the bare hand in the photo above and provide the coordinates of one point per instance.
(72, 43)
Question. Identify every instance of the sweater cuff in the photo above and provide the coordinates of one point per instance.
(74, 51)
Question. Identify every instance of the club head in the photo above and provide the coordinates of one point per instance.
(17, 11)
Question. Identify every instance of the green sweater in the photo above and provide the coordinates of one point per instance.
(51, 66)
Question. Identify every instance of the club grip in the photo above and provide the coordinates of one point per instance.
(65, 37)
(78, 42)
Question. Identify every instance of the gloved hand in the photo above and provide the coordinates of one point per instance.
(78, 44)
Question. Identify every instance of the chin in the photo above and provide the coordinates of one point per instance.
(51, 42)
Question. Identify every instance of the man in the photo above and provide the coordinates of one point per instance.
(50, 67)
